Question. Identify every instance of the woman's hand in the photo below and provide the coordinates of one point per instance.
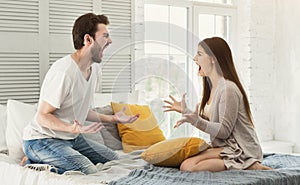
(121, 117)
(191, 117)
(78, 128)
(178, 106)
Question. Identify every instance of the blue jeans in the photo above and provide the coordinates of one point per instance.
(79, 154)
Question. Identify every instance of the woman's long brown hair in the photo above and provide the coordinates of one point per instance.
(217, 48)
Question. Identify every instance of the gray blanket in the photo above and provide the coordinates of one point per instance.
(286, 172)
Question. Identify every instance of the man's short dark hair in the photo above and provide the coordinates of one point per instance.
(86, 24)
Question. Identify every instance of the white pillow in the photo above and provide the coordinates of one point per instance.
(3, 146)
(18, 116)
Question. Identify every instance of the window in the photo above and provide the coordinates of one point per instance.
(165, 64)
(171, 37)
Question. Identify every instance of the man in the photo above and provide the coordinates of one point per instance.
(54, 135)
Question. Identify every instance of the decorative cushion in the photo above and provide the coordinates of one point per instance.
(141, 134)
(18, 116)
(3, 115)
(171, 153)
(110, 133)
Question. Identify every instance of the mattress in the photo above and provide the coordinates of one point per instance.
(131, 169)
(12, 173)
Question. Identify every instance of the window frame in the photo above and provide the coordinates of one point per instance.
(181, 4)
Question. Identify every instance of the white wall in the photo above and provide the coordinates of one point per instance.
(255, 60)
(268, 60)
(287, 61)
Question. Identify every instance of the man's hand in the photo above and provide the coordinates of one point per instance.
(78, 128)
(122, 118)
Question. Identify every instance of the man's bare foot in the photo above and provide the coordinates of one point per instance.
(258, 166)
(23, 162)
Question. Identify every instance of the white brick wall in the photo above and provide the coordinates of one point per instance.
(243, 55)
(287, 60)
(255, 60)
(269, 52)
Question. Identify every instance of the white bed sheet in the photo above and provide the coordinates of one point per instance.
(12, 173)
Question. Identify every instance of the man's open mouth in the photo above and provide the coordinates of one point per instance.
(105, 46)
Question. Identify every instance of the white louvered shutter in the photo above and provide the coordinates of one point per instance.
(19, 77)
(120, 16)
(35, 33)
(116, 74)
(19, 16)
(117, 68)
(19, 57)
(62, 15)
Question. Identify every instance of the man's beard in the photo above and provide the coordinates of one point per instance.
(95, 51)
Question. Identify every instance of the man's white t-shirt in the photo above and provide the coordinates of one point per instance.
(65, 88)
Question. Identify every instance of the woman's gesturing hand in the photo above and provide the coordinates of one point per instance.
(178, 106)
(191, 117)
(175, 105)
(78, 128)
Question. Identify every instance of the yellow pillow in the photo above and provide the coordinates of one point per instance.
(140, 134)
(171, 153)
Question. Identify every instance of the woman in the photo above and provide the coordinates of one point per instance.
(224, 113)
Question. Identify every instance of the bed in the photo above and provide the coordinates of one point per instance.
(286, 172)
(12, 173)
(131, 169)
(16, 115)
